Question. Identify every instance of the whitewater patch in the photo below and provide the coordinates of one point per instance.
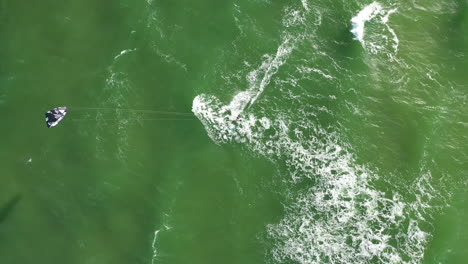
(346, 220)
(379, 39)
(342, 218)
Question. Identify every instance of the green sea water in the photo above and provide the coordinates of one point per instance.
(328, 131)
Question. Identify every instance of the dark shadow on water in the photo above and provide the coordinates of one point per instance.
(8, 207)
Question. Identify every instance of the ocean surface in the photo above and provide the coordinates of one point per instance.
(234, 131)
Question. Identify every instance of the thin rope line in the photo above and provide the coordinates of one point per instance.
(128, 109)
(154, 119)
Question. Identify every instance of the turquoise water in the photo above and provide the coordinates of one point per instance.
(300, 131)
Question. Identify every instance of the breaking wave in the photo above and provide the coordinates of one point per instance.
(378, 40)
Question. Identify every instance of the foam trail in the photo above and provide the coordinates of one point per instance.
(360, 19)
(305, 5)
(153, 245)
(117, 87)
(260, 78)
(395, 38)
(123, 52)
(210, 110)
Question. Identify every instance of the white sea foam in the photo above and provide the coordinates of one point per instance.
(305, 5)
(153, 245)
(387, 15)
(346, 220)
(169, 58)
(366, 14)
(371, 13)
(123, 52)
(342, 218)
(293, 17)
(303, 69)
